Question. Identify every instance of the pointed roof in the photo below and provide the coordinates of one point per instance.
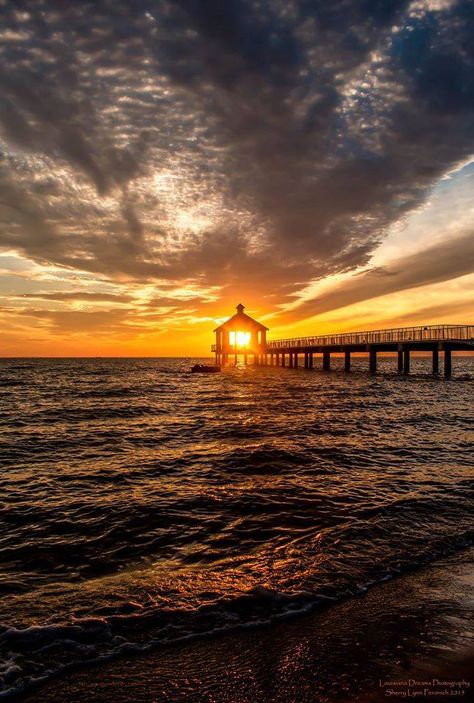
(241, 316)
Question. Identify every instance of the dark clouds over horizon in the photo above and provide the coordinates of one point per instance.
(241, 144)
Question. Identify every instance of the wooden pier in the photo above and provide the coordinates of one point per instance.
(436, 339)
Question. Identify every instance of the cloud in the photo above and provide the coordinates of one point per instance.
(248, 145)
(442, 262)
(103, 322)
(433, 313)
(79, 295)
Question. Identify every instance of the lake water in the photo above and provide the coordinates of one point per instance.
(141, 504)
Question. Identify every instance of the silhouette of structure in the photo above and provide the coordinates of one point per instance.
(240, 335)
(403, 340)
(437, 339)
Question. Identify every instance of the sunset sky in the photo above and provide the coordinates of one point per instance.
(162, 161)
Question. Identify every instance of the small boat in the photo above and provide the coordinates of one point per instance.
(202, 368)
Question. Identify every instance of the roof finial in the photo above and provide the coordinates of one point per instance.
(240, 307)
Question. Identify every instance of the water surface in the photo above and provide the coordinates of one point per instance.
(141, 504)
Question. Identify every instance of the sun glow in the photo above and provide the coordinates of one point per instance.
(239, 339)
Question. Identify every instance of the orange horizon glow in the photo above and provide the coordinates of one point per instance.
(140, 333)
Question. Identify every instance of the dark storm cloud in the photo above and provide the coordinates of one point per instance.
(308, 127)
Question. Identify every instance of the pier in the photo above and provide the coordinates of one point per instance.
(241, 335)
(436, 339)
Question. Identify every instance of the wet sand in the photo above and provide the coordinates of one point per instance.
(418, 627)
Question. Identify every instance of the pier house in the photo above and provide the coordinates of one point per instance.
(240, 335)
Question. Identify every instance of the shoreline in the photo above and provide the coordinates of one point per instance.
(415, 628)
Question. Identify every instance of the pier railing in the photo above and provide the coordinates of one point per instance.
(430, 333)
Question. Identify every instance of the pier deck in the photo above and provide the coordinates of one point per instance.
(402, 340)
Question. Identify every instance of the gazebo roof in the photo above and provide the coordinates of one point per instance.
(241, 317)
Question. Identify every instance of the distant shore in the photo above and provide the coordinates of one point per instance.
(407, 638)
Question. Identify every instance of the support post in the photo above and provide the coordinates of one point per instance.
(326, 361)
(296, 360)
(406, 361)
(310, 360)
(235, 359)
(400, 360)
(347, 360)
(447, 363)
(245, 359)
(291, 360)
(435, 362)
(372, 359)
(283, 360)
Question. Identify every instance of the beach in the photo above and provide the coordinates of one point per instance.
(408, 638)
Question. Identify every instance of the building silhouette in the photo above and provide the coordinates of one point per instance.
(240, 335)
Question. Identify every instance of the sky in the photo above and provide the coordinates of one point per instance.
(162, 161)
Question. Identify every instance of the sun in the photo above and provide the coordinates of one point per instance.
(239, 339)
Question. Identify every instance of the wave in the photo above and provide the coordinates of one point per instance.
(57, 647)
(118, 392)
(93, 414)
(261, 460)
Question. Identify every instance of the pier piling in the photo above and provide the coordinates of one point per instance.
(373, 360)
(447, 363)
(406, 361)
(326, 361)
(347, 360)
